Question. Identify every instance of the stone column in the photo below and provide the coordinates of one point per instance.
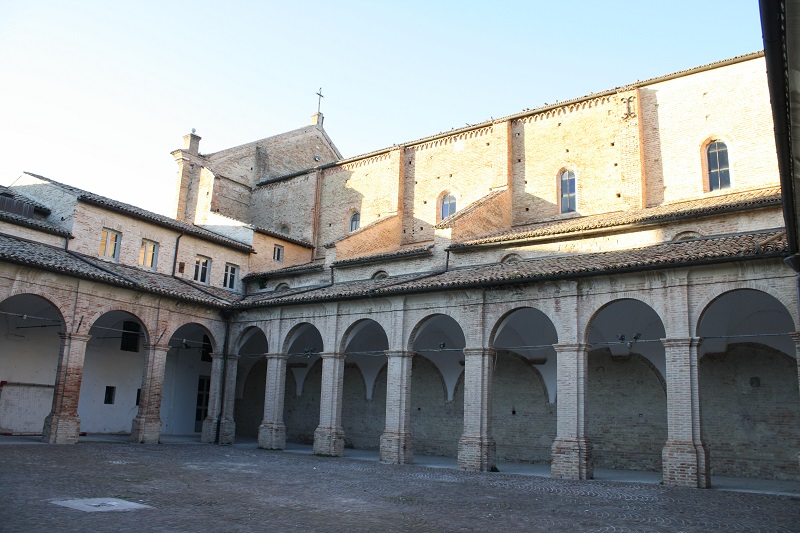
(685, 455)
(209, 433)
(396, 440)
(62, 425)
(146, 426)
(272, 432)
(227, 427)
(329, 436)
(572, 450)
(476, 447)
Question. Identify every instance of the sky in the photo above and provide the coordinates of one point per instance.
(97, 94)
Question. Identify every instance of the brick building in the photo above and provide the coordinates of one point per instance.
(595, 283)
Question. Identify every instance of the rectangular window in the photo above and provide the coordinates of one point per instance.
(229, 281)
(148, 254)
(109, 244)
(130, 336)
(202, 269)
(110, 393)
(277, 253)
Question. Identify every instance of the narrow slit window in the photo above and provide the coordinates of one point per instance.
(355, 221)
(568, 188)
(277, 253)
(719, 175)
(448, 206)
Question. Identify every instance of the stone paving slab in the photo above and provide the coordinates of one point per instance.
(193, 488)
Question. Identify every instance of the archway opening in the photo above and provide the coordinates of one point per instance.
(364, 393)
(187, 380)
(251, 382)
(749, 400)
(112, 373)
(303, 346)
(626, 398)
(437, 391)
(29, 348)
(523, 405)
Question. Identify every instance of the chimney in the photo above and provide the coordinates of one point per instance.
(316, 119)
(191, 142)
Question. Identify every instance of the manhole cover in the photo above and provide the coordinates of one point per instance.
(93, 505)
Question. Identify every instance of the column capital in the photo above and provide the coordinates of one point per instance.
(682, 342)
(795, 336)
(215, 355)
(233, 357)
(478, 351)
(276, 356)
(398, 353)
(75, 336)
(158, 347)
(332, 355)
(572, 347)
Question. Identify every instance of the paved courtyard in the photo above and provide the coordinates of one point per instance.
(192, 487)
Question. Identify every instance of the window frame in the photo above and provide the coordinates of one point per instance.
(230, 276)
(355, 218)
(570, 206)
(443, 200)
(278, 253)
(143, 254)
(201, 276)
(708, 185)
(106, 242)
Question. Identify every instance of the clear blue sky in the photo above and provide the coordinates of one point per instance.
(96, 94)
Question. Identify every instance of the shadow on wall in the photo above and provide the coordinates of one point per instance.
(651, 145)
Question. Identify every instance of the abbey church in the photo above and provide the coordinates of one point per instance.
(598, 283)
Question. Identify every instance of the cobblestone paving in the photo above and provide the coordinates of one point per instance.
(213, 488)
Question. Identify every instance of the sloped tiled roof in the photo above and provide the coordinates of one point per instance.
(287, 271)
(448, 222)
(6, 191)
(53, 259)
(707, 206)
(665, 255)
(404, 253)
(34, 223)
(283, 237)
(148, 216)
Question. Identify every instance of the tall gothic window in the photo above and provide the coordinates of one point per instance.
(448, 206)
(355, 221)
(719, 174)
(567, 187)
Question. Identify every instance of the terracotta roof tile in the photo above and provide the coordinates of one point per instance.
(35, 223)
(286, 271)
(404, 253)
(707, 206)
(7, 191)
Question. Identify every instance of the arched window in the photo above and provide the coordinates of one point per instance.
(511, 258)
(567, 188)
(448, 206)
(355, 221)
(719, 174)
(282, 287)
(380, 274)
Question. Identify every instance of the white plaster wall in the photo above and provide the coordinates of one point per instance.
(179, 395)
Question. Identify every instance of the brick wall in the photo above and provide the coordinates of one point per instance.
(301, 413)
(435, 423)
(363, 420)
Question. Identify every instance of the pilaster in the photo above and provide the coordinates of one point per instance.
(146, 427)
(62, 425)
(572, 450)
(796, 338)
(272, 432)
(329, 436)
(209, 433)
(227, 426)
(476, 447)
(685, 455)
(396, 440)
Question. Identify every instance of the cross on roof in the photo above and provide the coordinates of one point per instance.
(319, 100)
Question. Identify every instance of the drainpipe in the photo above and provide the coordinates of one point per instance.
(222, 390)
(175, 258)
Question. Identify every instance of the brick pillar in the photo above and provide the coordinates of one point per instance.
(62, 425)
(396, 440)
(227, 427)
(209, 433)
(146, 426)
(476, 447)
(272, 432)
(685, 455)
(796, 338)
(572, 450)
(329, 436)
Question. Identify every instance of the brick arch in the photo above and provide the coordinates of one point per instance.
(47, 298)
(215, 347)
(499, 322)
(352, 329)
(288, 338)
(730, 145)
(412, 337)
(703, 305)
(244, 333)
(645, 299)
(93, 318)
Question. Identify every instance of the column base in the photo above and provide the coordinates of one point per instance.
(329, 441)
(209, 433)
(146, 430)
(227, 431)
(571, 459)
(61, 429)
(477, 452)
(685, 464)
(397, 448)
(272, 436)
